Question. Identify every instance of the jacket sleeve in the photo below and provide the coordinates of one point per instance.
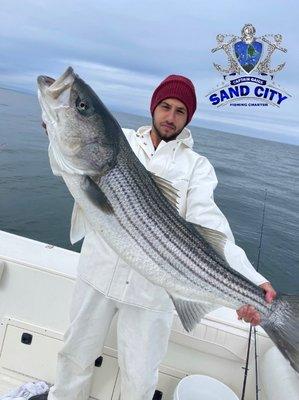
(201, 209)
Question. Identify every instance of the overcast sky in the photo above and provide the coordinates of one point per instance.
(123, 49)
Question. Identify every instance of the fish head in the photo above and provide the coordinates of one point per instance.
(84, 136)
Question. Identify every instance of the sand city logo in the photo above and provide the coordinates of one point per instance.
(248, 79)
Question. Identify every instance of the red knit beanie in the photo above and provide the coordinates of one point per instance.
(178, 87)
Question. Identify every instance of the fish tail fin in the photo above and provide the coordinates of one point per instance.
(282, 326)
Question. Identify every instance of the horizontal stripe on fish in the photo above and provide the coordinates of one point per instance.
(200, 275)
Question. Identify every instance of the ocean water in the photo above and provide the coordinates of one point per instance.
(37, 205)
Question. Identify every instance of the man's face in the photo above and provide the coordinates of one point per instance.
(169, 119)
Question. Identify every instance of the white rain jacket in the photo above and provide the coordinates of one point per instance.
(194, 177)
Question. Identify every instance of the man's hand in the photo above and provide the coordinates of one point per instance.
(249, 313)
(45, 127)
(270, 293)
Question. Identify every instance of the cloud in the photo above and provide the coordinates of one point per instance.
(124, 48)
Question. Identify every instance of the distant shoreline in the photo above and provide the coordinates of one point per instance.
(254, 134)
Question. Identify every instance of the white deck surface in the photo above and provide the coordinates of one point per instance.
(35, 293)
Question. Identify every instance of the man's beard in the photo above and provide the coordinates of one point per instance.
(167, 138)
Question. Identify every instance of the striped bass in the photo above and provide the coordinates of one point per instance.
(135, 212)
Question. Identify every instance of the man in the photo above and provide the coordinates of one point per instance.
(106, 285)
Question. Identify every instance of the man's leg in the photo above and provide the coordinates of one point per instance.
(142, 337)
(91, 314)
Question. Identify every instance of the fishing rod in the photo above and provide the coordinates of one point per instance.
(246, 369)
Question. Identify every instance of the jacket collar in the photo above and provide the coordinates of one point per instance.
(184, 137)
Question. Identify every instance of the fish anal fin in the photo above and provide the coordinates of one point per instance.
(191, 312)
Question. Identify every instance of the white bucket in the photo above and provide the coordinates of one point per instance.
(202, 387)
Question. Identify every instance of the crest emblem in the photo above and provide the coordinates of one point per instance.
(247, 54)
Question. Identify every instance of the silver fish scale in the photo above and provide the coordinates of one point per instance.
(152, 224)
(147, 216)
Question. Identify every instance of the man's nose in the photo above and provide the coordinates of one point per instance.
(170, 116)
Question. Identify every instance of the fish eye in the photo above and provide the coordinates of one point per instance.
(82, 105)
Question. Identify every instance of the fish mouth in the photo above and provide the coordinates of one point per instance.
(55, 87)
(54, 94)
(45, 80)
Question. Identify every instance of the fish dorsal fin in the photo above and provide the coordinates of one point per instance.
(215, 238)
(168, 190)
(96, 195)
(191, 312)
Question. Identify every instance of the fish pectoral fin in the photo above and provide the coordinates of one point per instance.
(191, 312)
(168, 190)
(78, 228)
(96, 195)
(215, 238)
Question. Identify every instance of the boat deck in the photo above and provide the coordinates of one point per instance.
(34, 271)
